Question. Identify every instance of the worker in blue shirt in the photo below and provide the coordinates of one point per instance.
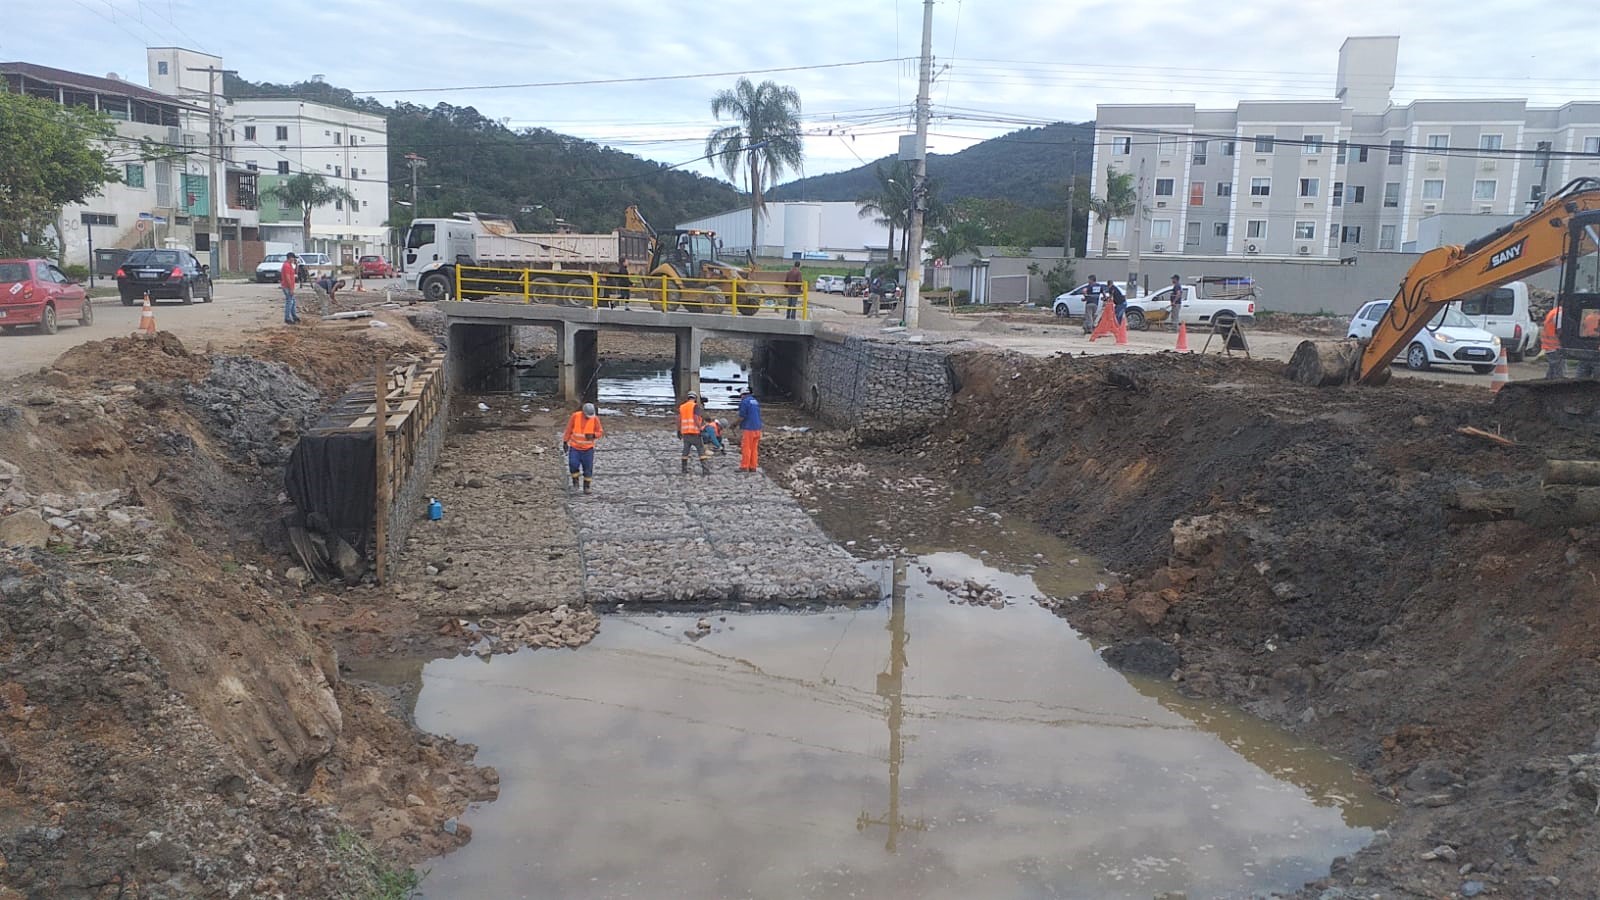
(750, 425)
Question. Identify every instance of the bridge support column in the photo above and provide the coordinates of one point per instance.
(577, 362)
(686, 363)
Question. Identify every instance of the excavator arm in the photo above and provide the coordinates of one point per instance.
(1537, 241)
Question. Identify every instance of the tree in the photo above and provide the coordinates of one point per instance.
(889, 201)
(765, 138)
(306, 192)
(1118, 203)
(956, 238)
(52, 155)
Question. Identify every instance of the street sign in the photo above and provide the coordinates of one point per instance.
(140, 224)
(938, 263)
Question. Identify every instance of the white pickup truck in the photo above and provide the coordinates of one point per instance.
(1196, 310)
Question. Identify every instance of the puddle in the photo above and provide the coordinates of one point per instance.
(920, 748)
(644, 384)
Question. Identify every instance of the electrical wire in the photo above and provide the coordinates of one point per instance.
(638, 79)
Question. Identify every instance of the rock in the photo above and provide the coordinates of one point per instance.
(41, 398)
(1198, 539)
(1443, 852)
(60, 523)
(24, 529)
(431, 570)
(452, 824)
(85, 514)
(1471, 888)
(702, 625)
(1150, 608)
(1144, 656)
(476, 483)
(414, 800)
(348, 561)
(118, 517)
(297, 576)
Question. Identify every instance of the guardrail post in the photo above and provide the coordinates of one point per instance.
(457, 272)
(663, 293)
(594, 289)
(734, 283)
(526, 297)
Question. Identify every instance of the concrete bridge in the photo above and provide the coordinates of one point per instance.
(480, 338)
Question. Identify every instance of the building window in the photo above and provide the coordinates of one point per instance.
(163, 185)
(1263, 143)
(1433, 189)
(1311, 145)
(363, 171)
(1122, 146)
(338, 204)
(1167, 146)
(1191, 233)
(133, 175)
(338, 138)
(1305, 231)
(1224, 189)
(1590, 145)
(1261, 187)
(1361, 152)
(338, 171)
(1161, 229)
(283, 167)
(1341, 151)
(1350, 235)
(1438, 142)
(1338, 193)
(1385, 237)
(1490, 142)
(281, 132)
(1391, 195)
(352, 140)
(1309, 187)
(161, 68)
(1115, 229)
(284, 205)
(249, 132)
(1227, 148)
(1255, 228)
(1358, 193)
(1484, 190)
(1199, 153)
(1396, 152)
(1197, 193)
(1220, 229)
(1163, 187)
(328, 166)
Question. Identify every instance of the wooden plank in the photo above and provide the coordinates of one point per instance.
(381, 448)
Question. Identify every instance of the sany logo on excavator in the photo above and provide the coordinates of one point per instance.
(1513, 252)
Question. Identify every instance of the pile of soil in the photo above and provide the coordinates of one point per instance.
(1288, 546)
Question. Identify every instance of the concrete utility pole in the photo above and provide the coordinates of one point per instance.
(215, 147)
(919, 184)
(1072, 188)
(415, 162)
(1138, 233)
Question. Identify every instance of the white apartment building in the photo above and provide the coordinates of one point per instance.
(801, 229)
(283, 137)
(1323, 179)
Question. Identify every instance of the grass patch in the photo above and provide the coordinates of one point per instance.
(368, 875)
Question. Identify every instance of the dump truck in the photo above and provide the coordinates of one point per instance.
(435, 248)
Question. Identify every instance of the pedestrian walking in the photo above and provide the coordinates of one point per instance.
(583, 430)
(794, 283)
(288, 275)
(1174, 303)
(1092, 293)
(749, 431)
(691, 419)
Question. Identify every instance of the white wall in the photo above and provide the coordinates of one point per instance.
(840, 230)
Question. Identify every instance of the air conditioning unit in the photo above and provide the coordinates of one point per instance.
(1489, 165)
(1304, 250)
(1485, 210)
(1434, 165)
(1158, 247)
(1161, 204)
(1111, 245)
(1430, 207)
(1251, 248)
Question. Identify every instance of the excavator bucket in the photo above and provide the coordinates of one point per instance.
(1325, 363)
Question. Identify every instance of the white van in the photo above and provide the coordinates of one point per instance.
(1504, 312)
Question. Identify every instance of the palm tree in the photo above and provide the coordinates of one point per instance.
(306, 192)
(765, 138)
(1118, 203)
(956, 238)
(890, 202)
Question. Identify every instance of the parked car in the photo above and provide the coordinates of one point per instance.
(376, 267)
(1450, 339)
(34, 292)
(267, 270)
(164, 275)
(828, 284)
(1071, 303)
(1505, 313)
(312, 266)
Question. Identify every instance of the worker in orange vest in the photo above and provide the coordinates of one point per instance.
(583, 429)
(691, 420)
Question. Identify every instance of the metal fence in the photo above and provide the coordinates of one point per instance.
(615, 290)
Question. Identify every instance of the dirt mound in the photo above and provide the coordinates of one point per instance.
(162, 358)
(257, 409)
(1289, 545)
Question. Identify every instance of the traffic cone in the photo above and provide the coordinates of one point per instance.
(1121, 327)
(147, 318)
(1183, 337)
(1107, 325)
(1502, 372)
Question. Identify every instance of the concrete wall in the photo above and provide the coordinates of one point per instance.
(1289, 286)
(412, 496)
(885, 391)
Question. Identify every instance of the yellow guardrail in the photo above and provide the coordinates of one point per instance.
(616, 291)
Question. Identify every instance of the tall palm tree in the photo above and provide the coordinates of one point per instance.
(305, 192)
(764, 139)
(889, 203)
(1118, 203)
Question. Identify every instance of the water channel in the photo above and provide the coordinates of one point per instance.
(923, 747)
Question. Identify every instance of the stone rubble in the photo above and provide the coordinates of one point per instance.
(60, 520)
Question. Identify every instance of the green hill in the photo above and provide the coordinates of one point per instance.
(483, 166)
(1025, 167)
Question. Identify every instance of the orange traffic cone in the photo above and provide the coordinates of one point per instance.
(1502, 372)
(1107, 324)
(147, 318)
(1183, 337)
(1121, 326)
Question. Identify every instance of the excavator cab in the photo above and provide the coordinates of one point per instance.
(687, 252)
(1579, 331)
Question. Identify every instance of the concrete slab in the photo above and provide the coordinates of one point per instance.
(637, 317)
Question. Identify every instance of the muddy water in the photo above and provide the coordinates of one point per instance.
(920, 748)
(630, 384)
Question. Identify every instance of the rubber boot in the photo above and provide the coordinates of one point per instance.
(574, 480)
(705, 465)
(588, 485)
(685, 469)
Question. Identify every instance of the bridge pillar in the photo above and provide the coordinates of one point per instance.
(577, 361)
(478, 355)
(686, 363)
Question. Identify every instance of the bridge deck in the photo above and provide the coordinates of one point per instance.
(767, 323)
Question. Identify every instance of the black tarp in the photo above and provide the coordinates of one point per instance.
(331, 480)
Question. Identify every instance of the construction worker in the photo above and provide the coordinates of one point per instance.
(1550, 343)
(1092, 293)
(712, 433)
(1174, 303)
(750, 431)
(691, 419)
(583, 429)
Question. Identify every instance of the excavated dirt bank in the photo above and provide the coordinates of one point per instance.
(1288, 550)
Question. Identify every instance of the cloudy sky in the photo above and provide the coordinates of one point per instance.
(1011, 62)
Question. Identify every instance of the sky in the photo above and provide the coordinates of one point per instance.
(1002, 64)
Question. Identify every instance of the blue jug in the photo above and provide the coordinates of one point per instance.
(435, 510)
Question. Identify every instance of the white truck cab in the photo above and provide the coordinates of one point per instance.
(1505, 312)
(432, 243)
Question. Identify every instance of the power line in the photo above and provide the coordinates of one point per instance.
(640, 79)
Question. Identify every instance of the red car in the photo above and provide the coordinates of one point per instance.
(376, 267)
(34, 292)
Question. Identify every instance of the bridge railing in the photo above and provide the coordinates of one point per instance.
(614, 290)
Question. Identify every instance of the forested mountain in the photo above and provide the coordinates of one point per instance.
(1030, 167)
(483, 166)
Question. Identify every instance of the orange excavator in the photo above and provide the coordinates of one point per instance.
(1564, 231)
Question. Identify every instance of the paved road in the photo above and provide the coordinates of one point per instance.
(238, 308)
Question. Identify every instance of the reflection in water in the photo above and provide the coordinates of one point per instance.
(655, 764)
(647, 384)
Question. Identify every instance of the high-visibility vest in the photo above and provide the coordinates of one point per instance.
(582, 431)
(689, 418)
(1548, 340)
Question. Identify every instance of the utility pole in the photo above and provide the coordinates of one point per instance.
(415, 162)
(1138, 233)
(215, 148)
(1072, 188)
(919, 184)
